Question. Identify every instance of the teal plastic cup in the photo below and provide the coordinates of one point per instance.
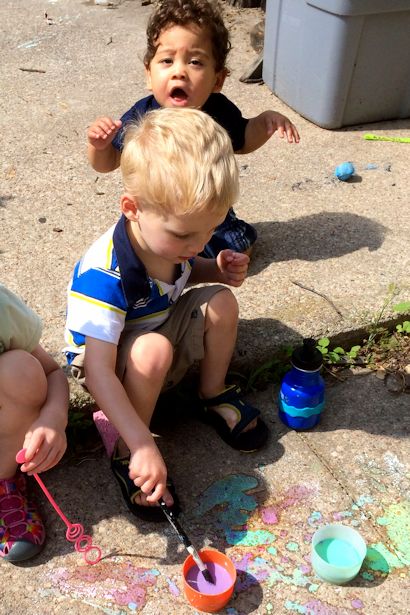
(338, 552)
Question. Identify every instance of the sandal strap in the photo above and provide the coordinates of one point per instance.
(231, 396)
(227, 394)
(119, 466)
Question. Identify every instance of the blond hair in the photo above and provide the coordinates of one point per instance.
(179, 161)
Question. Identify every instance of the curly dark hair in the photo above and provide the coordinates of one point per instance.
(203, 13)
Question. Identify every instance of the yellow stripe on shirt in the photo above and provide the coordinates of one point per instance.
(109, 254)
(94, 301)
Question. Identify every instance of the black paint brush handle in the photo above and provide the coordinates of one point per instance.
(185, 541)
(175, 524)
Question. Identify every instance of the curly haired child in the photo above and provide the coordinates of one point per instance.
(185, 65)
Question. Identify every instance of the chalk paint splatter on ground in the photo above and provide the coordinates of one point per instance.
(382, 475)
(316, 607)
(113, 584)
(269, 544)
(279, 559)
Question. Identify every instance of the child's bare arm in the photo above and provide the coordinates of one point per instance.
(228, 268)
(147, 468)
(45, 441)
(260, 128)
(102, 155)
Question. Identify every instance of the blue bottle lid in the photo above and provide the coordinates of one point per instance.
(307, 357)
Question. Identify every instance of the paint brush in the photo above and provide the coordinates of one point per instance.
(186, 542)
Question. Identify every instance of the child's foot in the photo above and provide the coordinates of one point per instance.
(233, 234)
(22, 532)
(135, 499)
(237, 422)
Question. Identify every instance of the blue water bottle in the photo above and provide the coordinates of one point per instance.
(302, 392)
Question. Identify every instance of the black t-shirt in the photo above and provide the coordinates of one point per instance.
(218, 106)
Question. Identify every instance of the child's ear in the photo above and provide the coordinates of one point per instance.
(148, 78)
(220, 80)
(129, 207)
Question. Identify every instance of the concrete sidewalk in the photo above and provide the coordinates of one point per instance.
(347, 241)
(260, 509)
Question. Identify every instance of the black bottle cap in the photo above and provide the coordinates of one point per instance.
(307, 357)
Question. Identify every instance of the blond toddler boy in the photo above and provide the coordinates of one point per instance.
(135, 327)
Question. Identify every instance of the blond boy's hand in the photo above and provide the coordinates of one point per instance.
(101, 132)
(148, 471)
(276, 122)
(233, 267)
(45, 445)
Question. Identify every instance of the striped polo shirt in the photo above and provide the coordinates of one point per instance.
(111, 291)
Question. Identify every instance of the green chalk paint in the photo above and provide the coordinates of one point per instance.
(397, 522)
(386, 560)
(374, 560)
(250, 538)
(294, 606)
(363, 500)
(337, 552)
(292, 546)
(313, 587)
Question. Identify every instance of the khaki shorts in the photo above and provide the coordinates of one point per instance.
(184, 328)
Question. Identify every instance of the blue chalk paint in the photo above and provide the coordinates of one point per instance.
(344, 171)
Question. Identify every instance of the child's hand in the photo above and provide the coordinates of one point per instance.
(101, 132)
(276, 122)
(148, 471)
(233, 267)
(45, 445)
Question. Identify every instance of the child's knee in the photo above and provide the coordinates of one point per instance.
(152, 353)
(22, 378)
(224, 306)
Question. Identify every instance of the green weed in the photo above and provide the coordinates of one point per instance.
(337, 355)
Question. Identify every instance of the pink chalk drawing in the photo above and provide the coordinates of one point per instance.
(269, 515)
(120, 584)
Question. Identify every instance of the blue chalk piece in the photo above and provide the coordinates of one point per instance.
(344, 171)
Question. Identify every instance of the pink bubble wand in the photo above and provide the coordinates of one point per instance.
(75, 531)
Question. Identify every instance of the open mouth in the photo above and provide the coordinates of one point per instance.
(179, 95)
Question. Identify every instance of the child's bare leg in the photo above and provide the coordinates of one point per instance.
(147, 366)
(221, 322)
(23, 391)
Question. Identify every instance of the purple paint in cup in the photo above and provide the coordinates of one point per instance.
(220, 575)
(205, 596)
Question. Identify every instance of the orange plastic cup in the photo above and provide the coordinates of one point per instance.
(209, 603)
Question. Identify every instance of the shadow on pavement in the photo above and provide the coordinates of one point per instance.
(314, 237)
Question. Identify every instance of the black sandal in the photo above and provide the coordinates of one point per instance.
(248, 441)
(119, 466)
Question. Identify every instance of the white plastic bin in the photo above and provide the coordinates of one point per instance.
(339, 62)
